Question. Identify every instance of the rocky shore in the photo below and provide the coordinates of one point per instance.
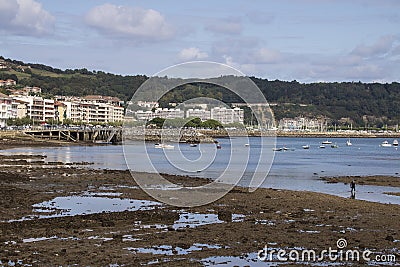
(366, 180)
(49, 217)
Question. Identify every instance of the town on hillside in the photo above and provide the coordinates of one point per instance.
(27, 103)
(28, 106)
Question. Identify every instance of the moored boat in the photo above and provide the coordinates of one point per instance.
(306, 147)
(395, 143)
(327, 142)
(348, 143)
(163, 146)
(386, 144)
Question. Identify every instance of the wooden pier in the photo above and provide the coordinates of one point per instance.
(95, 135)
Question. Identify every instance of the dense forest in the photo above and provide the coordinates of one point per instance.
(343, 103)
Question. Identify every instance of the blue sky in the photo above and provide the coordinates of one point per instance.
(304, 40)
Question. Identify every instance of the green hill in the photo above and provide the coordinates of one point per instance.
(345, 103)
(77, 82)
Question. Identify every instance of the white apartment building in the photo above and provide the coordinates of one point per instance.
(222, 114)
(146, 104)
(5, 109)
(100, 110)
(227, 115)
(72, 111)
(144, 115)
(98, 99)
(167, 113)
(18, 109)
(198, 113)
(37, 108)
(117, 114)
(89, 112)
(161, 113)
(40, 109)
(301, 124)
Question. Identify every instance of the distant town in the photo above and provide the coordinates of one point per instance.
(27, 103)
(29, 106)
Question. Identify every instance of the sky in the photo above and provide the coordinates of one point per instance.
(303, 40)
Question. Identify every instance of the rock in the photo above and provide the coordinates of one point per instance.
(107, 224)
(389, 238)
(224, 215)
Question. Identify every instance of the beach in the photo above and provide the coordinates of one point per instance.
(140, 231)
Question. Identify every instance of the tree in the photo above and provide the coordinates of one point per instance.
(159, 122)
(194, 123)
(211, 124)
(19, 121)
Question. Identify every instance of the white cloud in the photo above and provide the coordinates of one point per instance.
(225, 26)
(25, 17)
(379, 48)
(265, 56)
(130, 22)
(192, 53)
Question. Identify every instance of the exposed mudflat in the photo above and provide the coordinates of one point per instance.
(61, 216)
(366, 180)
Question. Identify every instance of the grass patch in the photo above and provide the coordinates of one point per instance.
(20, 75)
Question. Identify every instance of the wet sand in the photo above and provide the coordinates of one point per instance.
(376, 180)
(238, 224)
(14, 139)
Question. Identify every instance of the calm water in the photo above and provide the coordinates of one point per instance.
(296, 169)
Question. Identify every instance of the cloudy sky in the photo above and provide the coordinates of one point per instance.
(304, 40)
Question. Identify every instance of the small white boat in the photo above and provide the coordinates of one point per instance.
(246, 145)
(193, 145)
(277, 149)
(386, 144)
(348, 143)
(164, 146)
(103, 142)
(326, 142)
(395, 143)
(306, 147)
(321, 146)
(334, 146)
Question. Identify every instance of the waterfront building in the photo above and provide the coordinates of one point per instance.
(302, 124)
(92, 110)
(227, 115)
(144, 115)
(86, 110)
(164, 113)
(198, 113)
(167, 113)
(37, 108)
(18, 109)
(5, 109)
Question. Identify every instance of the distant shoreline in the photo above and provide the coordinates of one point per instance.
(11, 139)
(341, 135)
(219, 134)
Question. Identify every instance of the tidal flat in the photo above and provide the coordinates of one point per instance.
(68, 215)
